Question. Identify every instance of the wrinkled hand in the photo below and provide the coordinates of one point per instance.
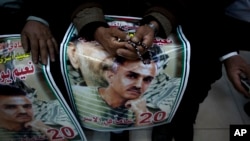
(108, 38)
(37, 38)
(235, 66)
(143, 34)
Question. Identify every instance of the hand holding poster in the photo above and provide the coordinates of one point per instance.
(110, 93)
(31, 106)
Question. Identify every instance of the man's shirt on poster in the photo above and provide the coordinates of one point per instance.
(23, 135)
(94, 112)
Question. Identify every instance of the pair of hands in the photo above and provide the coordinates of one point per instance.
(109, 39)
(37, 38)
(235, 67)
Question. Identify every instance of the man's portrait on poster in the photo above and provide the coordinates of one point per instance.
(29, 110)
(113, 92)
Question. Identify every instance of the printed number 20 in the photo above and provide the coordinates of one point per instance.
(67, 132)
(150, 117)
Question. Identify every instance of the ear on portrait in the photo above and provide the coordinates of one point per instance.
(109, 74)
(72, 55)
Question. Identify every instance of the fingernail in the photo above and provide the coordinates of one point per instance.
(118, 53)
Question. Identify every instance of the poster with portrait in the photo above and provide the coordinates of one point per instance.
(111, 93)
(31, 106)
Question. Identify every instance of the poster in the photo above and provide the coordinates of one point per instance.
(31, 106)
(104, 90)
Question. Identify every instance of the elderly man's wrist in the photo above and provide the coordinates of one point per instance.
(154, 25)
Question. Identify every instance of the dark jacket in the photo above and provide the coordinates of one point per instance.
(201, 22)
(56, 13)
(13, 16)
(197, 17)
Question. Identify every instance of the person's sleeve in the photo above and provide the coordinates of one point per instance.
(38, 19)
(51, 12)
(87, 18)
(226, 56)
(40, 9)
(163, 17)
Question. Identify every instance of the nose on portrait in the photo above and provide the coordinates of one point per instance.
(21, 109)
(139, 83)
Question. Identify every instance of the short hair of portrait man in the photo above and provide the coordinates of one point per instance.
(9, 90)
